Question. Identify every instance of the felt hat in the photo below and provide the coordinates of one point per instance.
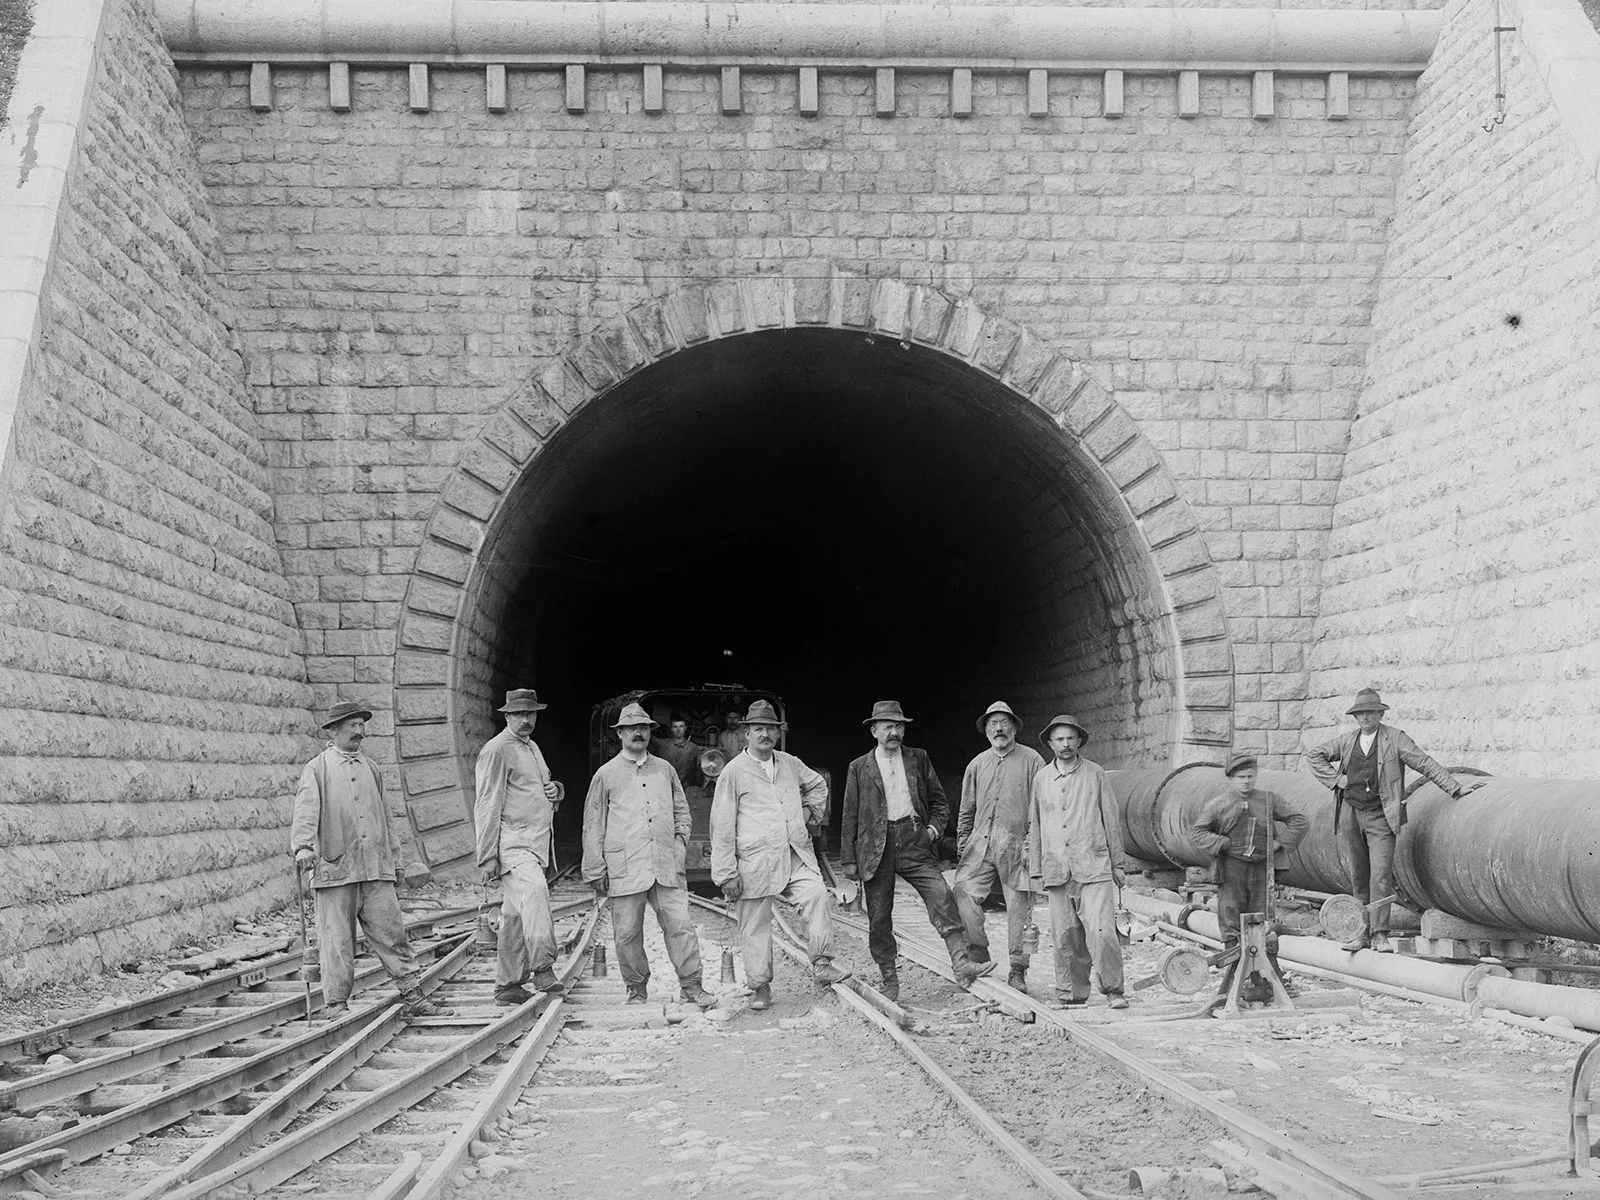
(1238, 761)
(633, 714)
(1367, 701)
(887, 710)
(522, 700)
(762, 713)
(344, 710)
(1064, 719)
(999, 706)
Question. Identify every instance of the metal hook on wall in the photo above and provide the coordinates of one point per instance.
(1498, 116)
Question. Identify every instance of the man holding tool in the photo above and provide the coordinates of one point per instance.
(1238, 829)
(1366, 769)
(992, 834)
(515, 811)
(1075, 855)
(341, 832)
(894, 813)
(635, 841)
(768, 808)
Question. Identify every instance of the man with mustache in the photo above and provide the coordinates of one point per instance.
(515, 811)
(343, 835)
(894, 812)
(991, 832)
(767, 809)
(635, 842)
(1075, 856)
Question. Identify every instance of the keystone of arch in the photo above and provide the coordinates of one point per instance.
(436, 773)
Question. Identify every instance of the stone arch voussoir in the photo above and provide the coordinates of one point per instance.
(436, 773)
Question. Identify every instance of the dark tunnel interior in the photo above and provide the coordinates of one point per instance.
(834, 518)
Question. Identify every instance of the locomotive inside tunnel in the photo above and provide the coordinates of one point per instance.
(836, 519)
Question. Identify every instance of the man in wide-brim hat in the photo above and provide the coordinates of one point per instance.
(992, 836)
(767, 808)
(1366, 768)
(635, 850)
(1075, 855)
(342, 833)
(895, 812)
(515, 814)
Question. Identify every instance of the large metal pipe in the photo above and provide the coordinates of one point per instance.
(1160, 807)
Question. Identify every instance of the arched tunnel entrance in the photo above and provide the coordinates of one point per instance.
(838, 518)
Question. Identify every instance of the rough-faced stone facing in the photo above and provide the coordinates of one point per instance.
(153, 712)
(400, 276)
(1462, 575)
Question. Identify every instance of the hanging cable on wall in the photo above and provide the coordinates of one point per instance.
(1498, 116)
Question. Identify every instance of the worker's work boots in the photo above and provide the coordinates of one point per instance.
(418, 1005)
(890, 986)
(1018, 979)
(826, 974)
(546, 981)
(969, 972)
(761, 998)
(694, 993)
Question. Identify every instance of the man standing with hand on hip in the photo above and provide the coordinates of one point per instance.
(343, 835)
(894, 813)
(516, 806)
(635, 839)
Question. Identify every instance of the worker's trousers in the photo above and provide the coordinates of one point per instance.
(527, 930)
(1083, 925)
(972, 883)
(1366, 849)
(374, 904)
(671, 906)
(806, 891)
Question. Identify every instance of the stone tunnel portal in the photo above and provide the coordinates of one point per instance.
(835, 517)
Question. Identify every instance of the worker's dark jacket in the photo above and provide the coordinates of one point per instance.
(1219, 829)
(1395, 751)
(866, 809)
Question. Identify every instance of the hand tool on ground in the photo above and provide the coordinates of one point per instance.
(310, 964)
(847, 892)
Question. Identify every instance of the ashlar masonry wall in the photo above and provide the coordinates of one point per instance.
(1463, 577)
(153, 708)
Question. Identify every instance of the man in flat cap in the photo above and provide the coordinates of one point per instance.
(894, 813)
(1075, 853)
(1366, 769)
(767, 808)
(635, 841)
(515, 812)
(1238, 828)
(343, 835)
(992, 836)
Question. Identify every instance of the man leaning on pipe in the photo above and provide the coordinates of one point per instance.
(1366, 768)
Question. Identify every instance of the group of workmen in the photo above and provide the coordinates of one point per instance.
(1025, 824)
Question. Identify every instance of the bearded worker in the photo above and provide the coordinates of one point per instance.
(635, 842)
(1366, 769)
(992, 837)
(1075, 854)
(342, 833)
(767, 808)
(515, 811)
(894, 813)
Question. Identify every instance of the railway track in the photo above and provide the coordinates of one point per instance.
(223, 1088)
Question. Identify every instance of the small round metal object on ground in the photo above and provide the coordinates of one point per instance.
(1344, 918)
(1182, 970)
(598, 962)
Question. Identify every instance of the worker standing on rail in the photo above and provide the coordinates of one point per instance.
(1239, 829)
(767, 808)
(342, 833)
(635, 843)
(1075, 854)
(992, 836)
(1366, 769)
(894, 814)
(515, 813)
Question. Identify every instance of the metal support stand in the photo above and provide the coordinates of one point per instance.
(1579, 1105)
(1253, 960)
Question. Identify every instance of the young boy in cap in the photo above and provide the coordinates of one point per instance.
(1238, 829)
(342, 834)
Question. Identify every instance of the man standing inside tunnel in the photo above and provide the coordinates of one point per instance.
(768, 808)
(894, 812)
(342, 833)
(635, 840)
(678, 750)
(1075, 854)
(992, 835)
(515, 810)
(731, 740)
(1366, 769)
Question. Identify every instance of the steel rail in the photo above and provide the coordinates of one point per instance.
(1255, 1134)
(282, 1160)
(35, 1042)
(96, 1136)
